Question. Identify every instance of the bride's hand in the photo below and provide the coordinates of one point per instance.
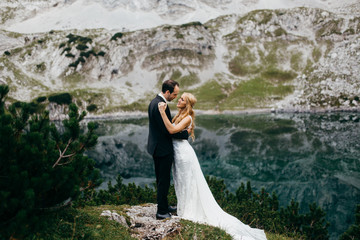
(162, 106)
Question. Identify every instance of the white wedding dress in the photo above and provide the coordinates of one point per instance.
(195, 200)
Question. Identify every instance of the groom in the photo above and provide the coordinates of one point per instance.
(160, 146)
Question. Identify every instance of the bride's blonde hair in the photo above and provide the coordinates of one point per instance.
(188, 110)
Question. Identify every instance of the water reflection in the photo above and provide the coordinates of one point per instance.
(307, 157)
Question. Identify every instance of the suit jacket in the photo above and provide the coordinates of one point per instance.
(160, 140)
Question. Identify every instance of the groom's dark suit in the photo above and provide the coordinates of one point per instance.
(161, 148)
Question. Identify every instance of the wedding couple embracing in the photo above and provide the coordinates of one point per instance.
(168, 145)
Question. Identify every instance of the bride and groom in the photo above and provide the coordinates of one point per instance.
(168, 145)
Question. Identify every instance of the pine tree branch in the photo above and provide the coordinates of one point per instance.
(62, 153)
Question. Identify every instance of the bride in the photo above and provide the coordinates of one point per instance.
(195, 200)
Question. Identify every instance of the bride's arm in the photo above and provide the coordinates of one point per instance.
(171, 128)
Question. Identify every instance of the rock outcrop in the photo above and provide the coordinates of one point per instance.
(144, 224)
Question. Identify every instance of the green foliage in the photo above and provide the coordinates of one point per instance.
(7, 53)
(91, 108)
(78, 39)
(81, 223)
(354, 230)
(192, 230)
(62, 45)
(190, 24)
(70, 55)
(74, 64)
(88, 53)
(41, 99)
(81, 47)
(254, 93)
(178, 35)
(279, 32)
(260, 210)
(119, 194)
(176, 74)
(41, 67)
(209, 95)
(67, 49)
(101, 53)
(273, 73)
(40, 168)
(316, 54)
(331, 27)
(116, 36)
(242, 63)
(62, 98)
(189, 80)
(266, 17)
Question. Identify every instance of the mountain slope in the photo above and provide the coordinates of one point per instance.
(29, 16)
(297, 59)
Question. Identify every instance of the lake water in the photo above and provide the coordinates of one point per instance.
(306, 157)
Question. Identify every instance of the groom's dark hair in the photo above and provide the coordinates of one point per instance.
(169, 85)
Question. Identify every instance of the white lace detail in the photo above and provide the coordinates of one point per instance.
(195, 200)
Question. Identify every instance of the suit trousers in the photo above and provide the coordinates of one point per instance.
(162, 172)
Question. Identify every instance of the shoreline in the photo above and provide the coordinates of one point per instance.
(140, 114)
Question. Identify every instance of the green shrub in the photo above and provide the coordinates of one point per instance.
(7, 53)
(101, 53)
(260, 210)
(62, 45)
(68, 49)
(354, 230)
(190, 24)
(41, 67)
(41, 99)
(78, 39)
(81, 47)
(74, 64)
(62, 98)
(91, 108)
(40, 168)
(81, 59)
(70, 55)
(116, 36)
(88, 53)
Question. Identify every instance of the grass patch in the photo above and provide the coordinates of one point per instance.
(74, 79)
(86, 223)
(176, 74)
(81, 223)
(191, 230)
(277, 75)
(255, 93)
(189, 80)
(208, 95)
(296, 61)
(7, 13)
(135, 106)
(316, 54)
(331, 27)
(279, 32)
(241, 65)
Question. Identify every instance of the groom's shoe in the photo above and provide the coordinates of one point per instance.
(172, 209)
(162, 216)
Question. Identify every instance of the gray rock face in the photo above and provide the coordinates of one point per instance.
(144, 224)
(114, 216)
